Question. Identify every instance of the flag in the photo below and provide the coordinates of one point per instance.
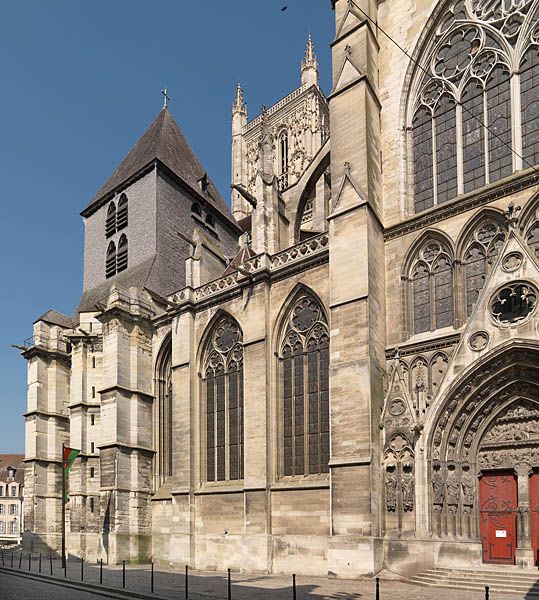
(70, 454)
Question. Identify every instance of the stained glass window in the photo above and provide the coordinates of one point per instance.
(223, 382)
(305, 390)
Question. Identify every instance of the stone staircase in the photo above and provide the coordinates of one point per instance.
(505, 579)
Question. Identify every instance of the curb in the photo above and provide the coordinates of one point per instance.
(103, 590)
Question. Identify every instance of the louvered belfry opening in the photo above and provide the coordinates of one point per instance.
(110, 223)
(121, 262)
(110, 264)
(122, 214)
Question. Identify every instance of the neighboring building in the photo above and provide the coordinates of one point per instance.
(341, 374)
(11, 498)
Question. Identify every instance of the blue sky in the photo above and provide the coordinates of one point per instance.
(80, 83)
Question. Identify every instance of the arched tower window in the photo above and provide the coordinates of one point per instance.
(122, 216)
(163, 413)
(223, 384)
(431, 287)
(121, 262)
(479, 257)
(304, 358)
(110, 262)
(465, 114)
(110, 223)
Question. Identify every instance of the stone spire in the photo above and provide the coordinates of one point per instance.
(309, 65)
(239, 105)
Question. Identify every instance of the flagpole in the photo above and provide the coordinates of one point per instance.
(63, 509)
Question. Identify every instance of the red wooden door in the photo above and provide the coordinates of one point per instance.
(497, 517)
(534, 514)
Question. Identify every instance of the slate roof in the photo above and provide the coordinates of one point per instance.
(162, 141)
(15, 461)
(55, 318)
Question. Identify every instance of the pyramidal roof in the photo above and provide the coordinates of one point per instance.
(164, 142)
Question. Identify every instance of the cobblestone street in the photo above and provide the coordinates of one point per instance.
(170, 584)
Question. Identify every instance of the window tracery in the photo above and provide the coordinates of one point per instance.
(305, 393)
(466, 114)
(223, 382)
(163, 416)
(479, 257)
(431, 278)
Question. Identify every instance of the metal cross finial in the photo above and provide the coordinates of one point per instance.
(166, 97)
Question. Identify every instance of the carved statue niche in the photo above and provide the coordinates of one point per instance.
(391, 487)
(438, 487)
(452, 488)
(467, 485)
(407, 487)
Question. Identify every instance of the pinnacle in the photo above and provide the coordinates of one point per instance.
(239, 101)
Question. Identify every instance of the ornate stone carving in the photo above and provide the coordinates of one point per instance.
(452, 489)
(391, 489)
(467, 484)
(407, 488)
(512, 261)
(397, 407)
(438, 488)
(478, 341)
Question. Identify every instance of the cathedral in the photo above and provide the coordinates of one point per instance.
(339, 373)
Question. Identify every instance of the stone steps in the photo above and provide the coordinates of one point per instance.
(507, 580)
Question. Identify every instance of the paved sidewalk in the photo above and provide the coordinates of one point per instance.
(203, 585)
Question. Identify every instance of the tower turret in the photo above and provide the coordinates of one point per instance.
(309, 65)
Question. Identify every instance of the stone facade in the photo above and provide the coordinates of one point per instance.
(11, 499)
(335, 382)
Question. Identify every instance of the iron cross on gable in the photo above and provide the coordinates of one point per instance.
(166, 97)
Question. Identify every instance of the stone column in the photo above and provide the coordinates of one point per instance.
(524, 553)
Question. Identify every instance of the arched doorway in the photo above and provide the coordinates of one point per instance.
(483, 452)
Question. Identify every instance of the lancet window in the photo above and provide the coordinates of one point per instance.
(479, 257)
(474, 91)
(431, 287)
(304, 359)
(223, 384)
(163, 412)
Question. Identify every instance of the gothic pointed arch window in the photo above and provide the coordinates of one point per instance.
(304, 360)
(110, 261)
(465, 114)
(121, 261)
(480, 254)
(122, 214)
(163, 412)
(110, 222)
(430, 282)
(223, 386)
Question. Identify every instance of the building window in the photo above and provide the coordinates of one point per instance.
(13, 490)
(196, 209)
(93, 362)
(479, 257)
(2, 526)
(465, 113)
(110, 264)
(13, 509)
(91, 505)
(304, 358)
(110, 223)
(2, 509)
(92, 446)
(122, 214)
(92, 420)
(223, 383)
(92, 472)
(121, 263)
(163, 415)
(93, 391)
(431, 287)
(210, 220)
(13, 527)
(1, 490)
